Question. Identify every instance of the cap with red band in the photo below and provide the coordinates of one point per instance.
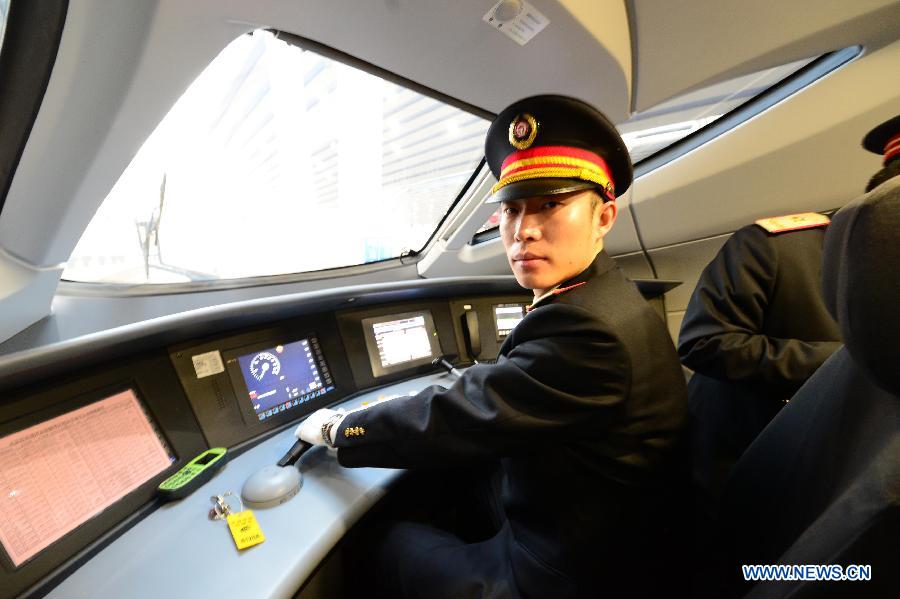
(885, 140)
(556, 161)
(547, 145)
(892, 148)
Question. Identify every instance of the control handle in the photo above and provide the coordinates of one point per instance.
(444, 360)
(294, 453)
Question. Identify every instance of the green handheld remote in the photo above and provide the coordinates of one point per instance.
(193, 474)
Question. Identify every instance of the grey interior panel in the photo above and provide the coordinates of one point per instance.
(784, 31)
(683, 262)
(781, 162)
(673, 321)
(634, 265)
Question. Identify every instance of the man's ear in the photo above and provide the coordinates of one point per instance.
(605, 217)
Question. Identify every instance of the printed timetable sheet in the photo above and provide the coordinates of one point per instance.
(58, 474)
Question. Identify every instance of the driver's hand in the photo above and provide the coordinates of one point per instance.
(310, 430)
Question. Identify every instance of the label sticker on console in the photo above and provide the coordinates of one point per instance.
(208, 364)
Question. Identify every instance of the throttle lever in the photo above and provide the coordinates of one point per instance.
(444, 360)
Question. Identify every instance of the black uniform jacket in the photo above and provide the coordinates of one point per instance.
(755, 329)
(586, 407)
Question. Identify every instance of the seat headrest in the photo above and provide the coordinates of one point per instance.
(861, 280)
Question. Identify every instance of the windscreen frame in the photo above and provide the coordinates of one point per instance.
(30, 47)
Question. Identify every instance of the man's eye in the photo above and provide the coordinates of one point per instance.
(550, 205)
(509, 211)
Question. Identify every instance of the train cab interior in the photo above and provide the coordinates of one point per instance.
(218, 216)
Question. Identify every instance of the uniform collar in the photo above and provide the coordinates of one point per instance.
(542, 297)
(601, 264)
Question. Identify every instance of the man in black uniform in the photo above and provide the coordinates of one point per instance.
(585, 407)
(822, 483)
(755, 329)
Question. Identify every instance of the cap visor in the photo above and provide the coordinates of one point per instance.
(531, 188)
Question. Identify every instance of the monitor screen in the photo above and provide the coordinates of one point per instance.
(282, 377)
(400, 341)
(61, 472)
(506, 317)
(205, 459)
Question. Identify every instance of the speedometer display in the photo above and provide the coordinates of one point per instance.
(281, 377)
(265, 363)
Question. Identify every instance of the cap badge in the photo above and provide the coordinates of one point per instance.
(522, 131)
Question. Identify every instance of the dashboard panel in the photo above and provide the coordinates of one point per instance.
(211, 374)
(232, 386)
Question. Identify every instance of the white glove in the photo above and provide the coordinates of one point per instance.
(310, 430)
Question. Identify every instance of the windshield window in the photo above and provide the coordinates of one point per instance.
(278, 160)
(656, 128)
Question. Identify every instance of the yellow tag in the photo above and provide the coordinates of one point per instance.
(793, 222)
(245, 529)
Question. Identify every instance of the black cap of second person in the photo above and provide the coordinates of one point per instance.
(885, 140)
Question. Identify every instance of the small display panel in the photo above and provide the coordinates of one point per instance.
(506, 317)
(58, 474)
(206, 459)
(400, 341)
(285, 376)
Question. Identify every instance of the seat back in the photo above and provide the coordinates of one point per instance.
(821, 484)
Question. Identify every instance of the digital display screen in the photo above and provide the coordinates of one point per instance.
(506, 317)
(400, 341)
(59, 473)
(205, 459)
(403, 340)
(282, 377)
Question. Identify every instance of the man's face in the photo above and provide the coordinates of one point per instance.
(549, 239)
